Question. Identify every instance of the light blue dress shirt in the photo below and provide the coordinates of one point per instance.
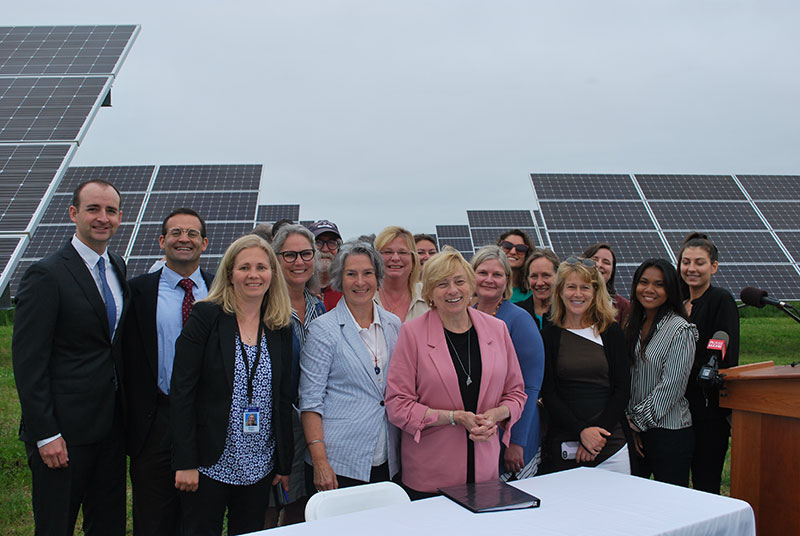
(170, 320)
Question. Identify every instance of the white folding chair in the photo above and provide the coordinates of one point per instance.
(345, 500)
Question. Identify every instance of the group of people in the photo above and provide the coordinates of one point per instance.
(306, 363)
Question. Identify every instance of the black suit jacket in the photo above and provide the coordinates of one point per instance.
(140, 355)
(202, 389)
(64, 358)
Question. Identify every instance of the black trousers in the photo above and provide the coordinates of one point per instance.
(667, 455)
(710, 447)
(94, 480)
(156, 503)
(203, 510)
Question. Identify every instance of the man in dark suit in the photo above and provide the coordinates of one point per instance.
(68, 364)
(160, 304)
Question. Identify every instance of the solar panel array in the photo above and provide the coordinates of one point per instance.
(53, 80)
(751, 218)
(225, 195)
(273, 213)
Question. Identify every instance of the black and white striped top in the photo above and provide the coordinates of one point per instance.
(658, 381)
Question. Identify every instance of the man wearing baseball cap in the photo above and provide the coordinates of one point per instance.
(327, 241)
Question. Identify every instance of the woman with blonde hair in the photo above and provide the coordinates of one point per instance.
(454, 380)
(493, 289)
(400, 292)
(233, 360)
(587, 378)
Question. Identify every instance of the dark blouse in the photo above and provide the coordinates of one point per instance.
(465, 352)
(588, 400)
(714, 311)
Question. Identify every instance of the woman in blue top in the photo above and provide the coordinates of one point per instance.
(493, 288)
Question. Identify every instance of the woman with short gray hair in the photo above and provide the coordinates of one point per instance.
(343, 379)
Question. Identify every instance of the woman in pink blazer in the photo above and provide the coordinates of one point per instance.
(454, 379)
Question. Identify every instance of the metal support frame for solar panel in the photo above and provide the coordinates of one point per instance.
(53, 81)
(581, 209)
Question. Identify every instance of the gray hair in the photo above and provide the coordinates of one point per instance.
(487, 253)
(285, 232)
(355, 248)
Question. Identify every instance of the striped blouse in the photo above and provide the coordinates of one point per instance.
(658, 381)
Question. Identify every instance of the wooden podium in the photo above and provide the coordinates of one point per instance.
(765, 443)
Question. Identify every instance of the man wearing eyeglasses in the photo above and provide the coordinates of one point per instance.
(327, 241)
(160, 303)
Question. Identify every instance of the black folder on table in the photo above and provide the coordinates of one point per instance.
(492, 496)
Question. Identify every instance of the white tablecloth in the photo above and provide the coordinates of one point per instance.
(578, 502)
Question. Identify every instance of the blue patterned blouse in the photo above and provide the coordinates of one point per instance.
(247, 458)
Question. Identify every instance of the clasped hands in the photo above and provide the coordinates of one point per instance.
(481, 426)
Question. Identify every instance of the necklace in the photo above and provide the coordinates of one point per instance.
(494, 313)
(467, 371)
(374, 353)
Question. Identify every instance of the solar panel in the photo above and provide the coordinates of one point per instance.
(211, 205)
(48, 239)
(781, 214)
(461, 244)
(454, 231)
(209, 178)
(780, 281)
(537, 214)
(691, 215)
(739, 246)
(273, 213)
(624, 278)
(500, 218)
(681, 187)
(26, 172)
(791, 240)
(53, 79)
(583, 186)
(8, 245)
(73, 50)
(48, 109)
(631, 247)
(126, 178)
(220, 236)
(580, 215)
(777, 187)
(487, 235)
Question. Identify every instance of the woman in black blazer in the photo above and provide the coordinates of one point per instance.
(230, 399)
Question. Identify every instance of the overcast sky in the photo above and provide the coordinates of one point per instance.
(372, 113)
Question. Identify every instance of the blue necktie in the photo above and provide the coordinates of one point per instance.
(108, 297)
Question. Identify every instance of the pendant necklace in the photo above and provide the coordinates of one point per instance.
(467, 372)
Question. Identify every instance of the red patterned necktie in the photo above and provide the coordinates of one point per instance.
(188, 298)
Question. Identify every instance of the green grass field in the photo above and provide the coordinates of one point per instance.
(766, 335)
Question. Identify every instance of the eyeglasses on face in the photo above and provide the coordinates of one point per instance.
(291, 256)
(572, 261)
(177, 232)
(389, 253)
(508, 246)
(332, 244)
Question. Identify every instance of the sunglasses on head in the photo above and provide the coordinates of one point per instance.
(572, 261)
(508, 246)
